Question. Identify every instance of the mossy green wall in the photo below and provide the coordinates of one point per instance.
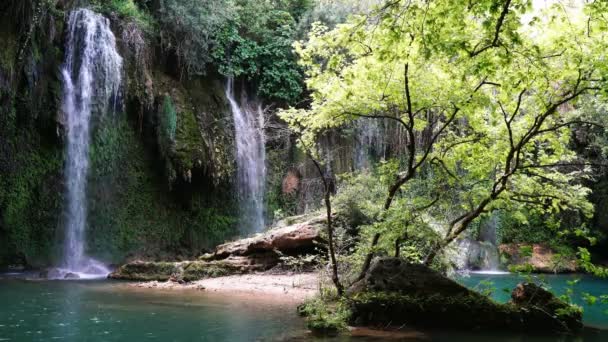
(135, 208)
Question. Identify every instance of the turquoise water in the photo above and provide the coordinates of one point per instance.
(110, 311)
(502, 284)
(106, 311)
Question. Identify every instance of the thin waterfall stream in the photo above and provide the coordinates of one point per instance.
(91, 81)
(250, 158)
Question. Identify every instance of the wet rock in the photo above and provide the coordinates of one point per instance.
(71, 275)
(396, 293)
(537, 258)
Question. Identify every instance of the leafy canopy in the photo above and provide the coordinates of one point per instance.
(484, 91)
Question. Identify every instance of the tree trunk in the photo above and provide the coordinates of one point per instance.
(397, 247)
(332, 253)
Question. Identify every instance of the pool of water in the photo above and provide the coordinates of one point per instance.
(108, 311)
(111, 311)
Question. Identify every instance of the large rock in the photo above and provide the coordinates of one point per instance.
(544, 310)
(257, 253)
(397, 293)
(298, 238)
(541, 259)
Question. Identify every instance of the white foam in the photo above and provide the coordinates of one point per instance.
(490, 272)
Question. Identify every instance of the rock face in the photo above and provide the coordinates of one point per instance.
(397, 293)
(540, 259)
(257, 253)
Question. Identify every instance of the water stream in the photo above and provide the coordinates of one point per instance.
(370, 142)
(91, 81)
(250, 158)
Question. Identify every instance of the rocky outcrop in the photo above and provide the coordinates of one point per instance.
(536, 258)
(397, 293)
(294, 239)
(257, 253)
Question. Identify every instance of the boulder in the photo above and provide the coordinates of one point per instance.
(397, 293)
(294, 239)
(542, 259)
(544, 310)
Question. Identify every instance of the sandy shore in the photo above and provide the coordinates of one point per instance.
(292, 287)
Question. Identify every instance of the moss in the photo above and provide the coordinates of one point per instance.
(146, 271)
(131, 210)
(190, 148)
(199, 270)
(30, 199)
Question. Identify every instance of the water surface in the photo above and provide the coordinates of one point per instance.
(111, 311)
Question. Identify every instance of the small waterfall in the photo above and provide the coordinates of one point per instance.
(369, 142)
(91, 81)
(250, 158)
(481, 255)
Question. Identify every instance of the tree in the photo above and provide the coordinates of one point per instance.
(478, 90)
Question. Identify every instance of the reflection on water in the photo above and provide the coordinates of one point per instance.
(110, 311)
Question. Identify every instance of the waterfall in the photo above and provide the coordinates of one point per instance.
(369, 143)
(250, 159)
(482, 255)
(91, 81)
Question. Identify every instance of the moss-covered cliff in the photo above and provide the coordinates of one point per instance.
(149, 194)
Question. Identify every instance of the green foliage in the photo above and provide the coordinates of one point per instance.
(127, 10)
(474, 90)
(585, 262)
(324, 316)
(31, 204)
(191, 28)
(360, 200)
(526, 251)
(257, 45)
(485, 287)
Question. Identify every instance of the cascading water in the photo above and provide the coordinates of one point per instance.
(482, 255)
(91, 81)
(370, 141)
(250, 158)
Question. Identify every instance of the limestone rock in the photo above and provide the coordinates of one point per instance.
(542, 259)
(253, 254)
(293, 239)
